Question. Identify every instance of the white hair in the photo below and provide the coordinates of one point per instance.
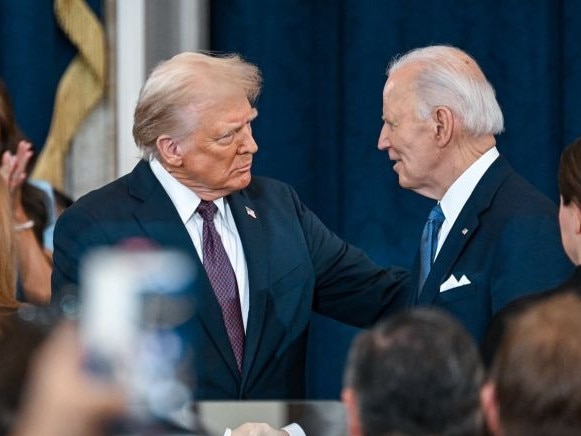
(450, 77)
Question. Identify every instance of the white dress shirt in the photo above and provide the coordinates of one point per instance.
(458, 194)
(186, 203)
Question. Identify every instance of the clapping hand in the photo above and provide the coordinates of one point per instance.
(13, 169)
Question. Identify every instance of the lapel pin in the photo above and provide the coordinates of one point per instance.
(464, 231)
(250, 212)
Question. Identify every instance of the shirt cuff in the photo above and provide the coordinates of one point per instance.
(292, 429)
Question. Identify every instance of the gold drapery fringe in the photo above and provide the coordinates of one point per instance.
(80, 88)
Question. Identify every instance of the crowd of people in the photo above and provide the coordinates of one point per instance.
(479, 337)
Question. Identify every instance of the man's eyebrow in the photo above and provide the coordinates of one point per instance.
(253, 115)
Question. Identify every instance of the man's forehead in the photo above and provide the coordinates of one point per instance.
(392, 89)
(388, 87)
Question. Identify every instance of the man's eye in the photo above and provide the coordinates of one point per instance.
(227, 138)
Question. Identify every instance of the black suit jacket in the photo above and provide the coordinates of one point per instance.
(295, 265)
(506, 242)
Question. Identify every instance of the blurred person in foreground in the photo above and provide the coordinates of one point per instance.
(417, 373)
(534, 386)
(569, 177)
(18, 338)
(492, 237)
(264, 260)
(60, 397)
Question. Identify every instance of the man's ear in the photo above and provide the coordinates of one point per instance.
(349, 399)
(489, 405)
(169, 151)
(444, 125)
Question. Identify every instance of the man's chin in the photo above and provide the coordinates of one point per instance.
(404, 182)
(244, 180)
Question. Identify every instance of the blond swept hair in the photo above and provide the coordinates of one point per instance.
(182, 83)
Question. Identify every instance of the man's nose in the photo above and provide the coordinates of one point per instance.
(383, 141)
(248, 144)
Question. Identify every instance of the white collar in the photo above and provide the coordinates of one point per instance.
(183, 198)
(458, 194)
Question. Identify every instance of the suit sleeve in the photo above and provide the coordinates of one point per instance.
(349, 287)
(76, 232)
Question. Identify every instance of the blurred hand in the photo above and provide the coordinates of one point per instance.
(257, 429)
(62, 399)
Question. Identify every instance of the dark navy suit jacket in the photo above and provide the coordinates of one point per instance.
(295, 265)
(506, 241)
(517, 307)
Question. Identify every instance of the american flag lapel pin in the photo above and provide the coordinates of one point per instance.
(250, 212)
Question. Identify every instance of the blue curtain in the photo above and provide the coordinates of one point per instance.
(34, 53)
(319, 116)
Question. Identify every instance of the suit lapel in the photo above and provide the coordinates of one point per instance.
(157, 215)
(161, 222)
(249, 224)
(464, 227)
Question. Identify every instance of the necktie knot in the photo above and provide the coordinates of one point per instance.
(207, 210)
(436, 214)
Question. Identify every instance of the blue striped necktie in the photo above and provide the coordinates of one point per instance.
(429, 243)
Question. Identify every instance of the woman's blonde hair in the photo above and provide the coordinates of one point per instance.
(7, 252)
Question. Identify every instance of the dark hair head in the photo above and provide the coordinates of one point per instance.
(536, 370)
(417, 373)
(570, 173)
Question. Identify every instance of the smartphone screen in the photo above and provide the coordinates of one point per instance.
(136, 306)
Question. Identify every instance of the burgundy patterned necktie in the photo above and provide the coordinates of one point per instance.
(223, 279)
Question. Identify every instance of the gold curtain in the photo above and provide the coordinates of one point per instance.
(80, 88)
